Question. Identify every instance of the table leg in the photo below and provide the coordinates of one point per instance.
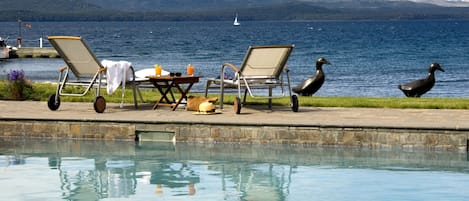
(160, 89)
(183, 94)
(164, 95)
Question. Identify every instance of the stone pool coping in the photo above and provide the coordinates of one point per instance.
(369, 127)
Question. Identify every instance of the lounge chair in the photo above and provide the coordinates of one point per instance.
(261, 69)
(88, 71)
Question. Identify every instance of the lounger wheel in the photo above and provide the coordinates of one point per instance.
(99, 104)
(295, 105)
(52, 104)
(237, 105)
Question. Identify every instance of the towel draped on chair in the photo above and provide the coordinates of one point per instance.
(117, 73)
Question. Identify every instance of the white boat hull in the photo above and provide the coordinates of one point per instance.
(4, 50)
(4, 53)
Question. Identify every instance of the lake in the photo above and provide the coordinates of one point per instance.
(369, 58)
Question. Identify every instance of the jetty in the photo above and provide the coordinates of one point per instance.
(34, 52)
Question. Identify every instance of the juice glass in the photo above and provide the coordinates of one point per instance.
(157, 70)
(190, 69)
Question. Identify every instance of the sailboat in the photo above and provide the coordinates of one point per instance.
(236, 23)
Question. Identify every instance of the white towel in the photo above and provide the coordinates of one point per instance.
(117, 73)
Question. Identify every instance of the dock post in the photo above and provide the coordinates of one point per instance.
(18, 40)
(40, 42)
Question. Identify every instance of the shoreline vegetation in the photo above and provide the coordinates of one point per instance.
(41, 92)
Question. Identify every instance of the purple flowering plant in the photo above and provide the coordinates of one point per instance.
(16, 75)
(18, 86)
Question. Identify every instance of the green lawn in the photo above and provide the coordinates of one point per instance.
(41, 91)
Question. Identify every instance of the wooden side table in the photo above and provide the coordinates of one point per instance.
(166, 83)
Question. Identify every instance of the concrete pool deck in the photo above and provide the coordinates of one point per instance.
(369, 127)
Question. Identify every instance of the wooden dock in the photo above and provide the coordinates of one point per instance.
(34, 52)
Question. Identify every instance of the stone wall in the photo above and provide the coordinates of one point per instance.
(66, 129)
(405, 138)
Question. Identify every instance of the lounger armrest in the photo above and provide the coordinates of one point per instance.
(63, 68)
(102, 70)
(231, 66)
(133, 73)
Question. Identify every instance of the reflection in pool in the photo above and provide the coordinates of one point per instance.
(109, 170)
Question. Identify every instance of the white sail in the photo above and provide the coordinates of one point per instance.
(236, 23)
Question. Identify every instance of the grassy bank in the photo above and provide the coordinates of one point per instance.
(41, 91)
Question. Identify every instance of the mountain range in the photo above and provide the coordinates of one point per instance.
(177, 10)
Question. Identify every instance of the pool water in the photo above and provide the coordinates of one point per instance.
(40, 169)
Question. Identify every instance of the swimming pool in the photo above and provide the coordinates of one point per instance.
(38, 169)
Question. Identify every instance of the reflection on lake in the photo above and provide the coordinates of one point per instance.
(109, 170)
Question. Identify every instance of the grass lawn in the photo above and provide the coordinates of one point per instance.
(41, 91)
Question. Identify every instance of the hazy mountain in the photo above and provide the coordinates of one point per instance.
(46, 9)
(180, 5)
(47, 5)
(225, 9)
(446, 3)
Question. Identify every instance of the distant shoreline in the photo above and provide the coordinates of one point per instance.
(245, 20)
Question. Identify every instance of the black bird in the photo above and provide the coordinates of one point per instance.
(419, 87)
(312, 84)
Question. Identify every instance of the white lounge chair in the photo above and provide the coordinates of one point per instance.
(261, 69)
(88, 71)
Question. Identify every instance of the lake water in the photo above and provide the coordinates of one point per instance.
(38, 169)
(370, 58)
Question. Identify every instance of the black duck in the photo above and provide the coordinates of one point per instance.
(419, 87)
(312, 84)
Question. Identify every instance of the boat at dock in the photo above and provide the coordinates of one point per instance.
(11, 52)
(4, 49)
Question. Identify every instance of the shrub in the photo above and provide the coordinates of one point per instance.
(19, 88)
